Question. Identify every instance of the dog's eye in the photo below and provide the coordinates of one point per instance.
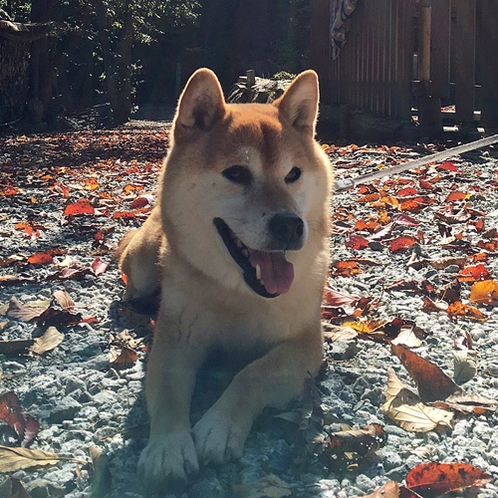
(238, 174)
(293, 175)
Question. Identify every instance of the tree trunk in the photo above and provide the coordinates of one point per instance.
(117, 66)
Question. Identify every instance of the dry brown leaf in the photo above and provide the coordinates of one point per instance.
(389, 490)
(13, 488)
(101, 478)
(269, 486)
(441, 264)
(48, 341)
(464, 365)
(432, 383)
(64, 299)
(468, 403)
(406, 409)
(408, 338)
(14, 459)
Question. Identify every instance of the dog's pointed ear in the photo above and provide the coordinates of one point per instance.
(299, 103)
(200, 105)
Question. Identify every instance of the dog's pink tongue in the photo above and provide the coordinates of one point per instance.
(276, 272)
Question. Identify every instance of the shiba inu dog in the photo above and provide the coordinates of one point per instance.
(238, 243)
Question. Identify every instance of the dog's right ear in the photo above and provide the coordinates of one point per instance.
(200, 105)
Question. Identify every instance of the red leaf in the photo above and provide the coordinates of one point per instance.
(40, 258)
(12, 412)
(426, 185)
(474, 273)
(407, 192)
(448, 166)
(336, 299)
(404, 219)
(139, 202)
(98, 266)
(356, 242)
(402, 243)
(435, 479)
(81, 207)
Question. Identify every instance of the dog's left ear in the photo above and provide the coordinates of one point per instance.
(299, 103)
(200, 105)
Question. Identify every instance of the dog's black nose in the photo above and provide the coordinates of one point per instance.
(287, 230)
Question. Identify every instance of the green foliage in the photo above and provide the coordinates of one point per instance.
(18, 10)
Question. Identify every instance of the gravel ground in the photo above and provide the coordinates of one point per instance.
(82, 400)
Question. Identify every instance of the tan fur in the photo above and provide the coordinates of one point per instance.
(206, 304)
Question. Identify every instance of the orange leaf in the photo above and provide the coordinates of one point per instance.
(40, 258)
(459, 309)
(456, 196)
(485, 292)
(123, 215)
(366, 225)
(402, 243)
(369, 197)
(81, 207)
(435, 479)
(474, 273)
(407, 192)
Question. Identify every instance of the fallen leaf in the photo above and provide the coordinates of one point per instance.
(432, 383)
(484, 292)
(25, 312)
(48, 341)
(269, 486)
(402, 243)
(406, 409)
(434, 479)
(356, 242)
(12, 412)
(464, 310)
(464, 365)
(14, 459)
(98, 266)
(13, 488)
(474, 273)
(124, 359)
(64, 299)
(16, 346)
(79, 208)
(361, 441)
(41, 258)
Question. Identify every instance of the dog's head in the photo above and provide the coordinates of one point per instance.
(245, 186)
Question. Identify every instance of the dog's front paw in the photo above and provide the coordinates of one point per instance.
(170, 458)
(219, 438)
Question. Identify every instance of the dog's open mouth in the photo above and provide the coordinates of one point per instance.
(267, 273)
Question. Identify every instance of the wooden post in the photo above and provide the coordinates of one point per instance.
(489, 64)
(250, 82)
(429, 109)
(319, 58)
(178, 79)
(465, 59)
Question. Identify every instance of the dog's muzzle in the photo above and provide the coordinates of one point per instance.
(268, 273)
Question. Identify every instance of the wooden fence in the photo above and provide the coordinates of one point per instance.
(406, 56)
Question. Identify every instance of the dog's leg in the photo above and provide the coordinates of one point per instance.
(170, 456)
(272, 380)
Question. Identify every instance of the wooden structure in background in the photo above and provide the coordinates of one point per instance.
(404, 54)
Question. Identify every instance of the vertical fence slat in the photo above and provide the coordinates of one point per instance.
(489, 63)
(464, 40)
